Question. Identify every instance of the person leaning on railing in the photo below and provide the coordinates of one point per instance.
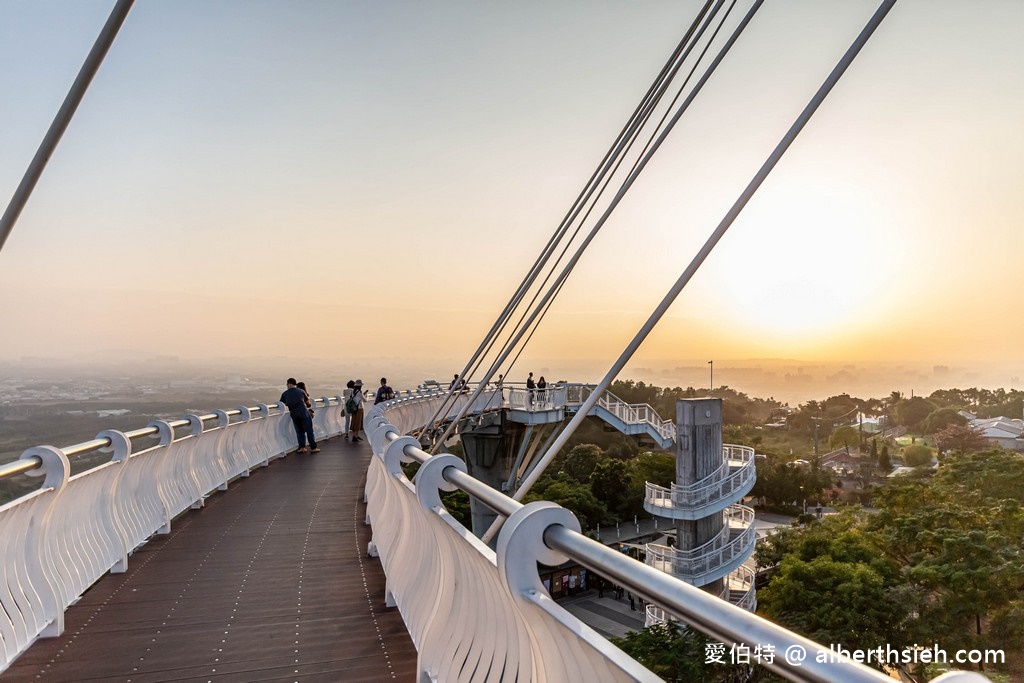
(295, 398)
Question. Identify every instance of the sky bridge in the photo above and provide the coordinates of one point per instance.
(208, 549)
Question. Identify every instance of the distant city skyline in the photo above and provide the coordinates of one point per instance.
(350, 180)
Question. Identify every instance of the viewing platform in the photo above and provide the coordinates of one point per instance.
(269, 580)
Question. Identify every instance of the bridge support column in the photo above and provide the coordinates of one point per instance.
(489, 446)
(698, 454)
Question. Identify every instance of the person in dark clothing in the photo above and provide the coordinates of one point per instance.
(295, 399)
(309, 400)
(384, 393)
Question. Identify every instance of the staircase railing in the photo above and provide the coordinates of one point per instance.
(629, 413)
(737, 472)
(699, 569)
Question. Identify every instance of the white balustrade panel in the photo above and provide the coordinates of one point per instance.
(59, 540)
(551, 397)
(470, 620)
(30, 602)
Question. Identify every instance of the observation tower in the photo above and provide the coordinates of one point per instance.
(715, 535)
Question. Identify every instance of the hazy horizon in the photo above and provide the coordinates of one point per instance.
(787, 380)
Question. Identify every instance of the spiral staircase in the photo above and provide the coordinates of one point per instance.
(715, 534)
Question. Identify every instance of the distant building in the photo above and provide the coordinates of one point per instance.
(1005, 432)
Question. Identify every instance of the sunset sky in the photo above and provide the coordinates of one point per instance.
(355, 179)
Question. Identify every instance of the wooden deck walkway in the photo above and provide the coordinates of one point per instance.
(269, 582)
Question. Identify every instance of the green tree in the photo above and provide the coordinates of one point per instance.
(579, 463)
(677, 653)
(833, 583)
(578, 498)
(912, 412)
(609, 484)
(836, 602)
(884, 461)
(845, 436)
(917, 455)
(959, 537)
(942, 418)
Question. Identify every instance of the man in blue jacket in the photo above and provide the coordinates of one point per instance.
(295, 399)
(385, 393)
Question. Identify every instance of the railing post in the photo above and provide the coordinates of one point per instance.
(42, 567)
(112, 522)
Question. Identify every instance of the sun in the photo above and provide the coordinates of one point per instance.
(805, 260)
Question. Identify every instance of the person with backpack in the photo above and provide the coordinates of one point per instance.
(384, 393)
(354, 405)
(295, 399)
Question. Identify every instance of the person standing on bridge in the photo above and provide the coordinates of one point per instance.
(384, 393)
(345, 396)
(357, 415)
(309, 400)
(542, 391)
(531, 389)
(295, 399)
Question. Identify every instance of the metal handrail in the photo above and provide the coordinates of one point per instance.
(25, 465)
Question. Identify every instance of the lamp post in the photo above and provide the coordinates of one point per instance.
(711, 381)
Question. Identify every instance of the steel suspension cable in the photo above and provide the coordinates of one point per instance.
(647, 146)
(609, 156)
(716, 235)
(627, 184)
(607, 180)
(63, 118)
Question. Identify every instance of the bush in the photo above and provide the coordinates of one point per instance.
(917, 455)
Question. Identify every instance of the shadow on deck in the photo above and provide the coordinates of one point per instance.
(269, 582)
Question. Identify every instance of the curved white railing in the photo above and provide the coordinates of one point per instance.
(57, 541)
(736, 518)
(735, 475)
(471, 610)
(740, 588)
(457, 596)
(698, 569)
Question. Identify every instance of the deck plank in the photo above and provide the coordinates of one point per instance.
(268, 582)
